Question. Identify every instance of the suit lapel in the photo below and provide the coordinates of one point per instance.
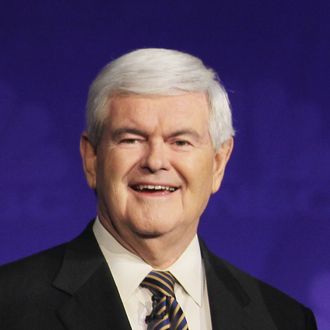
(230, 305)
(93, 300)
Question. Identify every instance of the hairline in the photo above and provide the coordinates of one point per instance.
(187, 74)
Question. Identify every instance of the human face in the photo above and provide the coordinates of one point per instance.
(155, 166)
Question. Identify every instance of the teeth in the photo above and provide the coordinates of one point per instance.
(152, 187)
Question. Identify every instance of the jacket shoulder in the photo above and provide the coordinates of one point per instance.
(33, 264)
(286, 312)
(26, 281)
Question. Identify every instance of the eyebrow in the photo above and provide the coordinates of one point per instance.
(117, 133)
(187, 131)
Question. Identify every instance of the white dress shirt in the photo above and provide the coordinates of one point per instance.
(129, 270)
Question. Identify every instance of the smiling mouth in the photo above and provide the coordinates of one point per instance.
(153, 188)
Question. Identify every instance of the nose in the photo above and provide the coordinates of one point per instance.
(155, 158)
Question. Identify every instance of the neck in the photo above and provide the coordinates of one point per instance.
(159, 252)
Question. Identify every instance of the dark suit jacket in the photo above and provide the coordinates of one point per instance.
(70, 287)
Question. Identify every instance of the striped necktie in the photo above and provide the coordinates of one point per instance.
(166, 313)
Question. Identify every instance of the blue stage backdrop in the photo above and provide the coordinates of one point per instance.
(271, 216)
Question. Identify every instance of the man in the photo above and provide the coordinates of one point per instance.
(159, 136)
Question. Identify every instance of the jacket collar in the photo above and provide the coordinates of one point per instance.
(94, 303)
(230, 304)
(93, 300)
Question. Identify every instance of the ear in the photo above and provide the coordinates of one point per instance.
(221, 158)
(88, 156)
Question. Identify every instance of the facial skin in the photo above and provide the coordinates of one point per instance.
(162, 143)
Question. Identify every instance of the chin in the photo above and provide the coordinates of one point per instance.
(149, 235)
(152, 231)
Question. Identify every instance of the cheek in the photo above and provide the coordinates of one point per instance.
(198, 188)
(109, 177)
(123, 161)
(113, 176)
(199, 175)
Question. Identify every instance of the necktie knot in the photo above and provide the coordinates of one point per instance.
(166, 313)
(160, 283)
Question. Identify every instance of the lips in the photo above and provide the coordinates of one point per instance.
(153, 188)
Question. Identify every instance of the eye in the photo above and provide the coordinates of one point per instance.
(182, 143)
(130, 141)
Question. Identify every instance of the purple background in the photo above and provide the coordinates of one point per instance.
(271, 217)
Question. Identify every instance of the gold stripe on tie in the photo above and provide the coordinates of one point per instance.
(153, 286)
(161, 281)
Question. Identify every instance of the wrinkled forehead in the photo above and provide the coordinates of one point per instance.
(189, 111)
(184, 104)
(175, 101)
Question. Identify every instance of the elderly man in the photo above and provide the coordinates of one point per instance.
(159, 135)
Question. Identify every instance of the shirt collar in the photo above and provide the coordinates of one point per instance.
(188, 270)
(129, 270)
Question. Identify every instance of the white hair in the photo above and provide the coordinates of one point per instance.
(157, 71)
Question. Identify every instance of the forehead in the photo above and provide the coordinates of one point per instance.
(188, 107)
